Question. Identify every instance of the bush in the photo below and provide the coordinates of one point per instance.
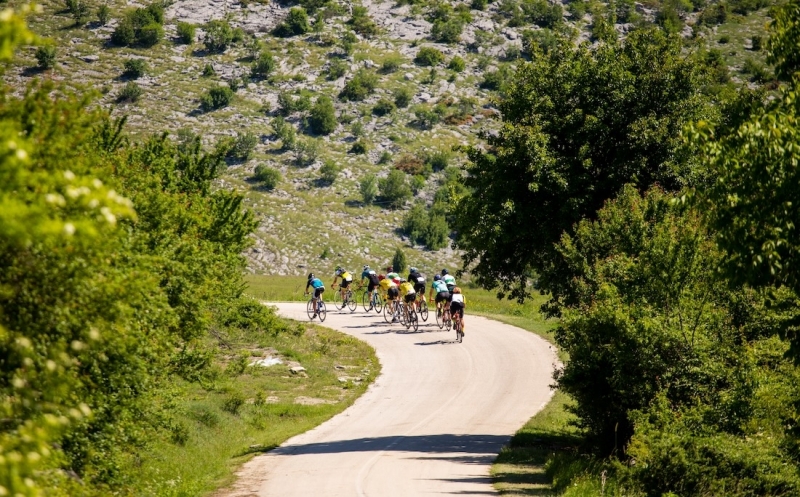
(285, 132)
(394, 189)
(219, 35)
(142, 26)
(399, 263)
(348, 42)
(756, 70)
(186, 32)
(391, 64)
(383, 106)
(208, 71)
(402, 97)
(357, 128)
(426, 227)
(479, 4)
(439, 160)
(124, 34)
(539, 40)
(216, 98)
(496, 80)
(268, 177)
(79, 10)
(46, 56)
(296, 23)
(385, 157)
(233, 403)
(134, 68)
(368, 187)
(410, 164)
(429, 56)
(457, 64)
(131, 92)
(448, 31)
(359, 147)
(307, 151)
(243, 146)
(361, 85)
(329, 171)
(103, 14)
(724, 39)
(428, 117)
(336, 69)
(361, 22)
(263, 66)
(756, 43)
(150, 34)
(322, 118)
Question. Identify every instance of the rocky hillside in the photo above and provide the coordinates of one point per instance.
(407, 83)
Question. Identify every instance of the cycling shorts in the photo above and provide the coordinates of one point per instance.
(457, 308)
(419, 288)
(450, 288)
(411, 297)
(393, 292)
(443, 297)
(318, 291)
(345, 283)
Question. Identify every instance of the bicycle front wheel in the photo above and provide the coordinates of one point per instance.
(337, 300)
(388, 312)
(310, 309)
(378, 303)
(423, 310)
(365, 303)
(322, 311)
(351, 301)
(414, 320)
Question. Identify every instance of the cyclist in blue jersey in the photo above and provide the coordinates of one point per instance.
(319, 287)
(372, 277)
(449, 280)
(442, 293)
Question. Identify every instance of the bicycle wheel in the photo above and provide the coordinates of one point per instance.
(351, 301)
(388, 311)
(322, 311)
(448, 320)
(337, 300)
(365, 301)
(379, 303)
(414, 320)
(310, 309)
(406, 317)
(439, 318)
(423, 310)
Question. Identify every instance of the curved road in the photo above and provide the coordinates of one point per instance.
(432, 422)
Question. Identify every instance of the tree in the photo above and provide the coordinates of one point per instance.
(368, 187)
(296, 23)
(394, 189)
(782, 44)
(263, 66)
(569, 144)
(219, 35)
(329, 172)
(323, 116)
(399, 261)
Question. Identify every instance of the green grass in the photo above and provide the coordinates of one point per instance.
(274, 407)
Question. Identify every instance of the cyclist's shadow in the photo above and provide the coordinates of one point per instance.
(438, 342)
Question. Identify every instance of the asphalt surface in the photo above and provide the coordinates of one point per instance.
(431, 424)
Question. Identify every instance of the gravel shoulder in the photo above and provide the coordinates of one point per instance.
(432, 423)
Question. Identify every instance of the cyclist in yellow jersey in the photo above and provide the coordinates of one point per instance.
(388, 288)
(347, 278)
(407, 291)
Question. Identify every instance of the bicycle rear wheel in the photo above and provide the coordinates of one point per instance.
(388, 311)
(448, 320)
(351, 301)
(414, 320)
(423, 310)
(310, 309)
(439, 318)
(322, 311)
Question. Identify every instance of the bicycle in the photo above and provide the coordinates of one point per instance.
(410, 316)
(321, 311)
(457, 324)
(391, 311)
(376, 302)
(422, 307)
(349, 300)
(443, 318)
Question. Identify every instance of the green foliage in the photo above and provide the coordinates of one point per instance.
(457, 64)
(216, 98)
(336, 69)
(141, 26)
(447, 31)
(208, 71)
(186, 32)
(563, 152)
(399, 263)
(427, 116)
(429, 56)
(713, 15)
(348, 42)
(479, 4)
(322, 118)
(268, 177)
(394, 189)
(426, 227)
(290, 104)
(359, 147)
(783, 41)
(46, 56)
(540, 41)
(79, 10)
(543, 13)
(263, 66)
(402, 97)
(103, 14)
(391, 64)
(496, 80)
(242, 146)
(134, 68)
(368, 187)
(362, 23)
(361, 85)
(756, 43)
(306, 152)
(296, 23)
(383, 107)
(757, 71)
(285, 132)
(218, 35)
(329, 171)
(131, 92)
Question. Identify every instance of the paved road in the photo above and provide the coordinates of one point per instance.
(431, 424)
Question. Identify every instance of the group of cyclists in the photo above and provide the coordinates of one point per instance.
(392, 288)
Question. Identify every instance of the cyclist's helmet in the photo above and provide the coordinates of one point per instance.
(381, 277)
(388, 269)
(436, 277)
(412, 269)
(456, 290)
(311, 276)
(366, 268)
(444, 272)
(338, 269)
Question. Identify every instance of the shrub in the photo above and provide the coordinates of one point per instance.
(134, 68)
(243, 146)
(383, 106)
(322, 118)
(399, 263)
(263, 66)
(391, 64)
(329, 171)
(131, 92)
(757, 71)
(208, 71)
(219, 35)
(439, 160)
(233, 403)
(124, 34)
(427, 117)
(150, 34)
(268, 177)
(448, 31)
(216, 98)
(385, 157)
(429, 56)
(361, 22)
(296, 23)
(494, 80)
(79, 10)
(402, 97)
(457, 64)
(285, 132)
(46, 56)
(361, 85)
(410, 164)
(336, 69)
(348, 42)
(724, 39)
(479, 4)
(306, 152)
(357, 128)
(103, 14)
(756, 43)
(186, 32)
(368, 187)
(394, 189)
(359, 147)
(142, 26)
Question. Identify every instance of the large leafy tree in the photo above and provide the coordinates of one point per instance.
(578, 123)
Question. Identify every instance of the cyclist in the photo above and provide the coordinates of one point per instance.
(457, 305)
(347, 278)
(408, 292)
(449, 280)
(416, 277)
(442, 294)
(319, 287)
(392, 275)
(390, 290)
(372, 277)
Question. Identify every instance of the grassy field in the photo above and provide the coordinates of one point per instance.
(243, 410)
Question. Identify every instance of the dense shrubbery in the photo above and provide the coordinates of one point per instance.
(46, 56)
(134, 68)
(267, 176)
(141, 26)
(186, 32)
(218, 35)
(429, 56)
(263, 65)
(361, 85)
(296, 23)
(322, 117)
(216, 98)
